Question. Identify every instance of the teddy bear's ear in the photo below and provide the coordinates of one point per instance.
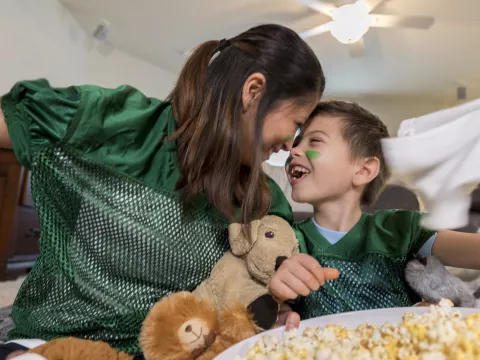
(240, 242)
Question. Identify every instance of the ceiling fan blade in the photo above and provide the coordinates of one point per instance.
(357, 49)
(340, 3)
(316, 30)
(320, 6)
(371, 4)
(413, 22)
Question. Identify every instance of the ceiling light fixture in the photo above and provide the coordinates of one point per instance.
(350, 22)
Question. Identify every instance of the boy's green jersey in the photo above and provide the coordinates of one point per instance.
(371, 259)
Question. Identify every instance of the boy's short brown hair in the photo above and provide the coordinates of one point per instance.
(363, 131)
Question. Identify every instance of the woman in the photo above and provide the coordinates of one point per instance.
(134, 195)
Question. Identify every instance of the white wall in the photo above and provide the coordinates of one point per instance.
(39, 38)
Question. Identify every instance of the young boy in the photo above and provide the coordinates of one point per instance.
(337, 165)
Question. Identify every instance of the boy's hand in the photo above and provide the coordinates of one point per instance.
(298, 275)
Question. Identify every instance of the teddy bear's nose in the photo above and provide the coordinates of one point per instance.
(279, 261)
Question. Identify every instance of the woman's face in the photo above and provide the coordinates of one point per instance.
(279, 127)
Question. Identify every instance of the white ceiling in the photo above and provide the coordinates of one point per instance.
(397, 62)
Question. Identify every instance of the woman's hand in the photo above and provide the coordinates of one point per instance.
(15, 354)
(287, 318)
(298, 275)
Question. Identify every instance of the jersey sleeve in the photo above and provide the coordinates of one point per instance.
(420, 236)
(399, 232)
(37, 115)
(407, 225)
(106, 123)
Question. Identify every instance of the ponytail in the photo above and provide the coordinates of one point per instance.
(187, 94)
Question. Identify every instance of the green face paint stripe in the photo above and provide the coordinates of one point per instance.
(312, 154)
(287, 139)
(289, 160)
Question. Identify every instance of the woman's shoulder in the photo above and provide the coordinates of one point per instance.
(129, 132)
(122, 117)
(121, 97)
(280, 206)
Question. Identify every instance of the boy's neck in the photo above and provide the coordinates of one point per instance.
(337, 215)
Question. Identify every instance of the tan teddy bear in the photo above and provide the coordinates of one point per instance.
(243, 273)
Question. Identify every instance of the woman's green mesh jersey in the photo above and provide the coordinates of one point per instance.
(371, 259)
(114, 236)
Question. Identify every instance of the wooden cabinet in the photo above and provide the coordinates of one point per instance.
(19, 227)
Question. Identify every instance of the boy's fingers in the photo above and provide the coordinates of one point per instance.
(308, 262)
(301, 275)
(282, 291)
(306, 277)
(331, 274)
(295, 284)
(320, 273)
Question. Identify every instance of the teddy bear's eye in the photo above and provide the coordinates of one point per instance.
(269, 235)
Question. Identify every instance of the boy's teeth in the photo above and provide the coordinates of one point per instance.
(299, 171)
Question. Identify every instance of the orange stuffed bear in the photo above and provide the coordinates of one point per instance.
(184, 326)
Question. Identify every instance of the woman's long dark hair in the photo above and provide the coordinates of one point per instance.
(207, 104)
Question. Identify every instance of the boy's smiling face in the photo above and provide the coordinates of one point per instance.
(321, 167)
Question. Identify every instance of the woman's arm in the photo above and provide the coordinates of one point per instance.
(4, 138)
(458, 249)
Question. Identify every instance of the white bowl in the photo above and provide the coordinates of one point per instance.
(350, 320)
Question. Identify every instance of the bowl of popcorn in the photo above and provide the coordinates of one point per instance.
(416, 333)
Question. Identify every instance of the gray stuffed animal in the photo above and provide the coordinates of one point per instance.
(432, 281)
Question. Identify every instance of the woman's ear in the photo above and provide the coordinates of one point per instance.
(367, 171)
(252, 90)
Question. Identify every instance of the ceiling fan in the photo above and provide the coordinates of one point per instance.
(351, 20)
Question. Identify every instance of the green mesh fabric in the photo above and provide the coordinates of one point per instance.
(110, 248)
(372, 282)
